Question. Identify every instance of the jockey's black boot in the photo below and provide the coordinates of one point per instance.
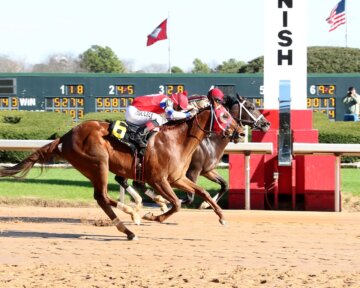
(140, 137)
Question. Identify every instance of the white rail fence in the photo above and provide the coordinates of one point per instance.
(247, 149)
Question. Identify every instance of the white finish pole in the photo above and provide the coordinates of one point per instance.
(285, 55)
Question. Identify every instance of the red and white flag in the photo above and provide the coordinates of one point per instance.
(158, 34)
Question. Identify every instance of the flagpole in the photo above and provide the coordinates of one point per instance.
(169, 42)
(346, 25)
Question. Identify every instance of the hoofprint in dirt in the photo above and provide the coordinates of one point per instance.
(76, 247)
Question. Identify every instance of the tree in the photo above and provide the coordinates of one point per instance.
(176, 70)
(155, 68)
(253, 66)
(101, 60)
(200, 67)
(319, 60)
(9, 65)
(333, 60)
(230, 66)
(65, 63)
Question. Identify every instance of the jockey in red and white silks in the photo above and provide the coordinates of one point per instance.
(158, 107)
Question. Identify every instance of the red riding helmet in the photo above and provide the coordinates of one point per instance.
(216, 94)
(180, 100)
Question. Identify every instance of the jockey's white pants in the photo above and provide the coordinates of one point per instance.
(138, 117)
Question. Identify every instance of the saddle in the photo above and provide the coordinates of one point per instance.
(136, 138)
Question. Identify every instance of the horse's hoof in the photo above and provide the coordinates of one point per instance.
(132, 237)
(148, 216)
(136, 218)
(222, 222)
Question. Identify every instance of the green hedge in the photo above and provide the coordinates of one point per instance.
(45, 125)
(337, 132)
(39, 125)
(104, 116)
(30, 125)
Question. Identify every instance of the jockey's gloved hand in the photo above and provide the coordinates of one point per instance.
(193, 112)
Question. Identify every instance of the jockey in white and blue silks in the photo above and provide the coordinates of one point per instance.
(158, 107)
(155, 110)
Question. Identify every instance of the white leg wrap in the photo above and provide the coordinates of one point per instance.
(205, 205)
(127, 209)
(116, 221)
(150, 193)
(160, 199)
(124, 208)
(119, 225)
(134, 194)
(216, 197)
(163, 207)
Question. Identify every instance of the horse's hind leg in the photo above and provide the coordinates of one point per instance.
(134, 194)
(104, 204)
(193, 174)
(215, 177)
(102, 198)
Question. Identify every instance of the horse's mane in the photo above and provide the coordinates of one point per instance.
(232, 99)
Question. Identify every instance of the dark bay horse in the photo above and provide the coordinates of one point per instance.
(209, 153)
(92, 151)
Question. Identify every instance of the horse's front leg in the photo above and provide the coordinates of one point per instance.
(214, 176)
(188, 186)
(165, 190)
(158, 199)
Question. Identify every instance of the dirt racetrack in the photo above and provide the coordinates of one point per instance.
(74, 247)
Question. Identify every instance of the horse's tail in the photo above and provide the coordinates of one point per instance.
(42, 156)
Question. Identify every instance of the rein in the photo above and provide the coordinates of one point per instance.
(207, 132)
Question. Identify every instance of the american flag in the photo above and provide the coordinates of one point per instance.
(337, 16)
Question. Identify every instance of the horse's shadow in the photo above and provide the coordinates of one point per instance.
(33, 234)
(92, 237)
(80, 236)
(39, 220)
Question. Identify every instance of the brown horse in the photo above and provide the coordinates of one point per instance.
(210, 151)
(92, 151)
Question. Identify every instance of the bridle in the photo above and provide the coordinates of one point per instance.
(254, 121)
(213, 117)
